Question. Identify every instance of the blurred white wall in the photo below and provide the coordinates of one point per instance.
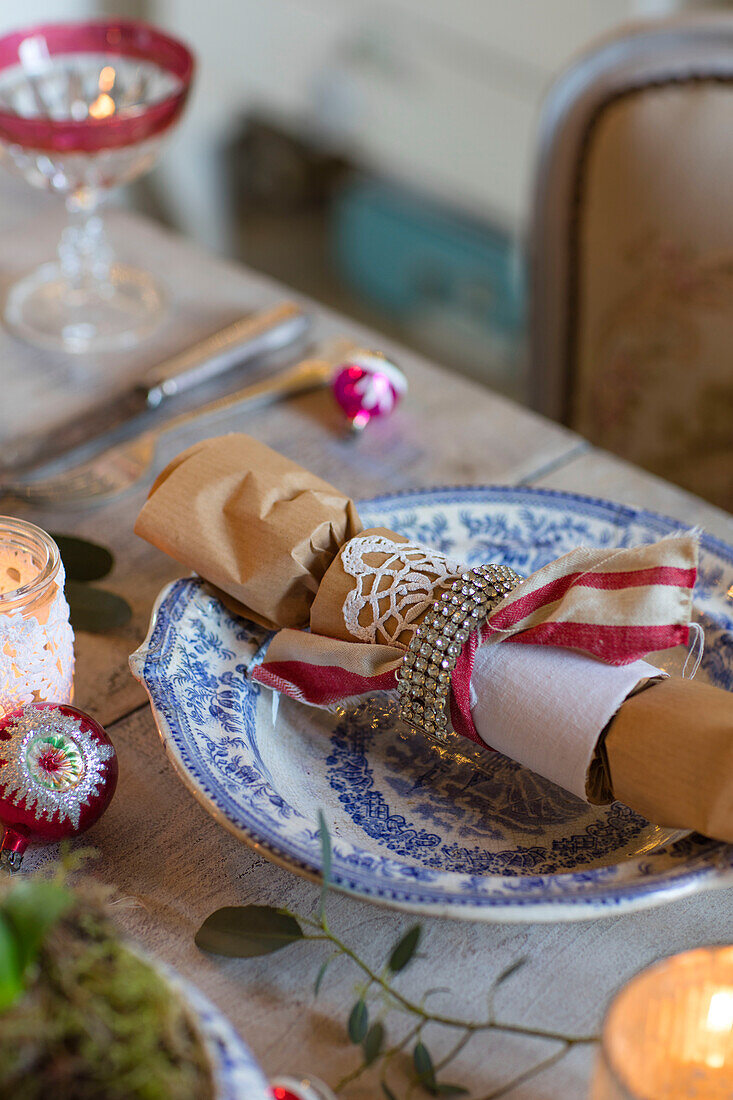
(16, 15)
(442, 94)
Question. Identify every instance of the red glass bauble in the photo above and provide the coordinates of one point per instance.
(293, 1088)
(58, 772)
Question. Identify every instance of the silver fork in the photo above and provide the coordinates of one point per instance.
(117, 469)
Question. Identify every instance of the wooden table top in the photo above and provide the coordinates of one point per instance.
(158, 846)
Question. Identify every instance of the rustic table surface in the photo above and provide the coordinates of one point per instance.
(158, 846)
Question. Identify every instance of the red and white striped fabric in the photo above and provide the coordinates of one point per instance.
(616, 605)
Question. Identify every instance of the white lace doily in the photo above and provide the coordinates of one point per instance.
(37, 661)
(390, 597)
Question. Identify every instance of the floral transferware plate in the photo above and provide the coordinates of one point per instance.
(454, 831)
(236, 1074)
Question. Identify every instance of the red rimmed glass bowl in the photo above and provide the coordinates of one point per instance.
(84, 108)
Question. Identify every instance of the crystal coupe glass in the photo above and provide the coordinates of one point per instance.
(84, 108)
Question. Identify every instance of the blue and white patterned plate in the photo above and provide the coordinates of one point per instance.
(236, 1074)
(457, 832)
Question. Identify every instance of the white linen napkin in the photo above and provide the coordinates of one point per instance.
(546, 708)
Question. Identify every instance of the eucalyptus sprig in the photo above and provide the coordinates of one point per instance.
(251, 930)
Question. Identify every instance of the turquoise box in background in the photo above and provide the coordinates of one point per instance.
(405, 254)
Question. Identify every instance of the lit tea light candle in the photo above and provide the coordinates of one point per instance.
(668, 1034)
(16, 569)
(36, 639)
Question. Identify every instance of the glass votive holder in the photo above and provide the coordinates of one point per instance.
(668, 1034)
(36, 639)
(300, 1088)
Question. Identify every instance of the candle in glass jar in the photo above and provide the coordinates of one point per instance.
(16, 569)
(668, 1034)
(36, 639)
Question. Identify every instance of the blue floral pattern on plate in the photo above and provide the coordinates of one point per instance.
(236, 1074)
(457, 832)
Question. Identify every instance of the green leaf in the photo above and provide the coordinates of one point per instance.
(442, 1089)
(358, 1021)
(373, 1043)
(387, 1091)
(424, 1068)
(245, 931)
(83, 561)
(326, 852)
(31, 909)
(95, 609)
(404, 950)
(321, 974)
(11, 970)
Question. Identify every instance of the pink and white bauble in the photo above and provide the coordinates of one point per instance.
(367, 385)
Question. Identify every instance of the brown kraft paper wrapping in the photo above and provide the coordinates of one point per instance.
(669, 753)
(254, 524)
(266, 533)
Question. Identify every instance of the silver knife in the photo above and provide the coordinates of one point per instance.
(265, 332)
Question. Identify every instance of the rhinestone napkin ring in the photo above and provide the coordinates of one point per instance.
(425, 673)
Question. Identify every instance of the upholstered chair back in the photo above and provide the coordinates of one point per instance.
(632, 341)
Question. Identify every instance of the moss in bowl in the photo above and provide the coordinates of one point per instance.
(82, 1017)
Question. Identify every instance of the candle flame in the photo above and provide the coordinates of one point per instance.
(106, 78)
(720, 1012)
(102, 107)
(719, 1023)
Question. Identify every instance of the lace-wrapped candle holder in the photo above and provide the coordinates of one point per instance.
(36, 639)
